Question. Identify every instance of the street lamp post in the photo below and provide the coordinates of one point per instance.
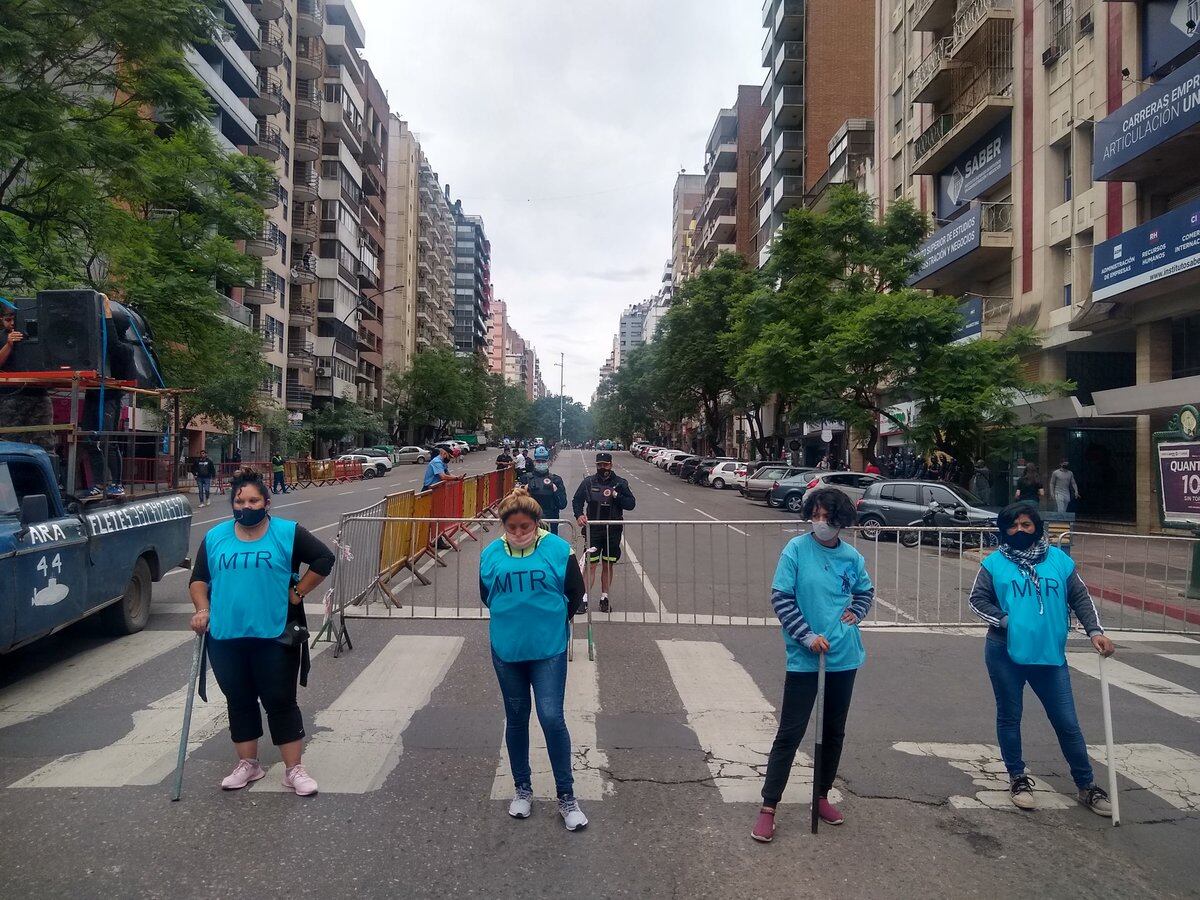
(562, 375)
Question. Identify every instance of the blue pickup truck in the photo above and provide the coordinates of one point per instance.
(60, 563)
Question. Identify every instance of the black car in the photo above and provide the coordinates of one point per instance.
(894, 504)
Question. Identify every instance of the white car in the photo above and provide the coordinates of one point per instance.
(727, 474)
(372, 465)
(461, 445)
(665, 459)
(658, 454)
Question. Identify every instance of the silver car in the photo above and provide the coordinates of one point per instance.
(415, 455)
(789, 492)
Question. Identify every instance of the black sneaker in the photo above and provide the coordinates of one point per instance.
(1020, 791)
(604, 604)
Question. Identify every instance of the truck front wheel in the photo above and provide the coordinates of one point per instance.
(131, 613)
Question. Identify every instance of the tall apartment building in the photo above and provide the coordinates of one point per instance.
(401, 250)
(472, 283)
(372, 242)
(631, 332)
(658, 304)
(817, 56)
(686, 199)
(1055, 147)
(728, 219)
(435, 262)
(497, 334)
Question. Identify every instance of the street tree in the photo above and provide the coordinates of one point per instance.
(424, 400)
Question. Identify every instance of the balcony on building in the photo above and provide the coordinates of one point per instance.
(270, 96)
(984, 100)
(228, 85)
(1154, 139)
(310, 17)
(932, 81)
(270, 145)
(933, 15)
(235, 313)
(309, 102)
(300, 354)
(303, 273)
(787, 109)
(261, 290)
(299, 398)
(270, 50)
(265, 10)
(301, 313)
(266, 242)
(368, 274)
(788, 193)
(274, 195)
(306, 142)
(979, 24)
(788, 67)
(788, 150)
(975, 247)
(306, 182)
(305, 224)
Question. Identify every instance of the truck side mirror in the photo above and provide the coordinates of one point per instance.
(35, 509)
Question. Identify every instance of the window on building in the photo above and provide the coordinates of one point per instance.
(1185, 347)
(1065, 156)
(898, 112)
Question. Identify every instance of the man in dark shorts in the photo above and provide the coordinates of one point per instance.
(603, 497)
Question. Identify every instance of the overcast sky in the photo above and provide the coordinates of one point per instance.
(563, 124)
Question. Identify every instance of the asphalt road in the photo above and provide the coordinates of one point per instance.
(670, 726)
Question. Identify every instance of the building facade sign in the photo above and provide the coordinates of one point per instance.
(985, 164)
(1161, 112)
(1166, 246)
(971, 309)
(950, 243)
(1166, 38)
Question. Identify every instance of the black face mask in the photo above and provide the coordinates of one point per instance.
(1022, 540)
(248, 518)
(604, 474)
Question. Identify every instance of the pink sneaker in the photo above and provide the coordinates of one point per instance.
(829, 813)
(246, 771)
(764, 827)
(296, 779)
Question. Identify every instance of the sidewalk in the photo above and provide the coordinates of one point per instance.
(1147, 575)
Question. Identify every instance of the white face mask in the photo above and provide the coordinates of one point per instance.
(825, 532)
(520, 543)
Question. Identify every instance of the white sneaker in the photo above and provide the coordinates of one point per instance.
(573, 817)
(522, 804)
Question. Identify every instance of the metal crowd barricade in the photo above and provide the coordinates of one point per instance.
(720, 573)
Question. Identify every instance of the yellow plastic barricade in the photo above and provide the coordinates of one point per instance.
(468, 503)
(396, 545)
(423, 532)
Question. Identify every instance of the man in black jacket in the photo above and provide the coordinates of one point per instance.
(602, 497)
(204, 470)
(546, 488)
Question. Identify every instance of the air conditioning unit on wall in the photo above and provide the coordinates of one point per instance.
(323, 371)
(1086, 25)
(1051, 54)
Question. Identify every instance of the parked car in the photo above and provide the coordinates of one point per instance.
(726, 474)
(899, 503)
(675, 465)
(373, 466)
(665, 459)
(700, 470)
(758, 484)
(374, 453)
(789, 492)
(415, 455)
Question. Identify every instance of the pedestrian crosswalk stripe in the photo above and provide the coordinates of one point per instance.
(982, 762)
(1159, 691)
(146, 754)
(732, 720)
(358, 738)
(48, 690)
(1173, 775)
(588, 762)
(1185, 658)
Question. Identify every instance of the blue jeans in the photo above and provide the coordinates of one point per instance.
(1052, 685)
(280, 486)
(203, 489)
(548, 679)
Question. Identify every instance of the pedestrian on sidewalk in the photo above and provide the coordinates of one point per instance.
(249, 596)
(1025, 593)
(870, 468)
(1029, 486)
(531, 584)
(279, 486)
(820, 592)
(603, 497)
(547, 489)
(504, 460)
(203, 470)
(1063, 487)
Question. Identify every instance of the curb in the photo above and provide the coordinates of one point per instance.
(1190, 616)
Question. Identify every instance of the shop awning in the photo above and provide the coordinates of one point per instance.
(1143, 399)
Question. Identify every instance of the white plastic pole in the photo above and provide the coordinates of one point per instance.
(1108, 740)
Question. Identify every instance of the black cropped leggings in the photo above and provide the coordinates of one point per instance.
(250, 670)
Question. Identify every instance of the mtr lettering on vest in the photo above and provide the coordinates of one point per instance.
(1024, 587)
(504, 583)
(241, 560)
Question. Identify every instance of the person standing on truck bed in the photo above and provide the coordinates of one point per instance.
(21, 405)
(249, 597)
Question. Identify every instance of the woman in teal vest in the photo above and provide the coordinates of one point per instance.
(1025, 592)
(531, 583)
(249, 597)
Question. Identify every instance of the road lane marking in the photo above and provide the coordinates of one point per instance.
(177, 571)
(1173, 775)
(1170, 696)
(1186, 659)
(580, 705)
(146, 754)
(732, 720)
(644, 579)
(210, 521)
(677, 500)
(703, 513)
(69, 680)
(893, 607)
(293, 503)
(982, 762)
(367, 721)
(738, 530)
(344, 493)
(323, 527)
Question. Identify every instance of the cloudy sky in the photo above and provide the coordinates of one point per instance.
(563, 124)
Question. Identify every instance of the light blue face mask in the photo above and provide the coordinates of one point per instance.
(541, 468)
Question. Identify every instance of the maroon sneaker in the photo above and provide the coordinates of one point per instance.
(764, 826)
(829, 813)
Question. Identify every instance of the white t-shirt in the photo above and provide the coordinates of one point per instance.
(519, 461)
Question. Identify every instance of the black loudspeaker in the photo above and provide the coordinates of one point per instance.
(69, 324)
(26, 354)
